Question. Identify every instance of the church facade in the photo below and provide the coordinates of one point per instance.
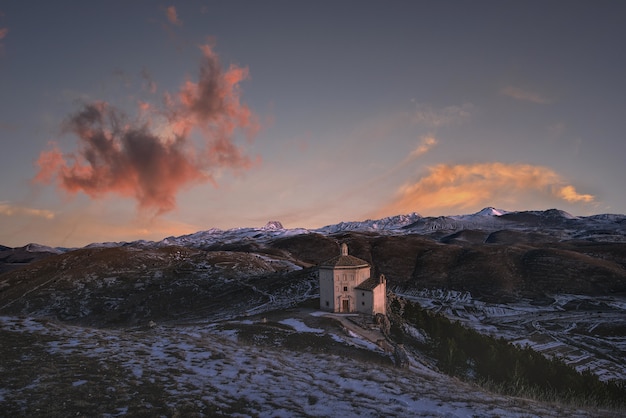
(346, 286)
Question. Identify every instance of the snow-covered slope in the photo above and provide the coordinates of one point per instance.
(216, 236)
(37, 248)
(236, 368)
(392, 223)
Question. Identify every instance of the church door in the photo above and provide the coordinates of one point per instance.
(345, 305)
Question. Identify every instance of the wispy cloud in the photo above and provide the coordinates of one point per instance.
(467, 187)
(8, 127)
(557, 130)
(7, 209)
(152, 158)
(172, 16)
(148, 82)
(524, 95)
(437, 117)
(427, 142)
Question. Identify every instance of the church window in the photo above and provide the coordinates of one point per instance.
(345, 288)
(363, 303)
(362, 293)
(327, 304)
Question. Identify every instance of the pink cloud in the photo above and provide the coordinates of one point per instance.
(133, 159)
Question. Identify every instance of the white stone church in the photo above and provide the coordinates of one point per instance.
(346, 286)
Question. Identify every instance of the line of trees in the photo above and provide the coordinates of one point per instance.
(500, 365)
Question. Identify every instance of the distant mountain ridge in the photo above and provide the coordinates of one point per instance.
(610, 227)
(558, 223)
(606, 227)
(11, 258)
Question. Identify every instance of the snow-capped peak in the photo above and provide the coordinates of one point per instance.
(273, 225)
(489, 211)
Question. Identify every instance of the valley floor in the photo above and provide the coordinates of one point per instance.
(288, 363)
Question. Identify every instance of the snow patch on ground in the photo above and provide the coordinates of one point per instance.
(300, 326)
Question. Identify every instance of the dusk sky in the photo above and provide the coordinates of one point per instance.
(126, 120)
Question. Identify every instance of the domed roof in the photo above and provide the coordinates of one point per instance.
(344, 260)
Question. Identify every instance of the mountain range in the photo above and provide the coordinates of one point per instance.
(554, 223)
(495, 254)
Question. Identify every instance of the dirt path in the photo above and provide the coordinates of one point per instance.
(347, 320)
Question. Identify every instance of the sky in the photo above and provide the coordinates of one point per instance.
(122, 121)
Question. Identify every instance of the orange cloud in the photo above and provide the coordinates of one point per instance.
(570, 194)
(525, 95)
(172, 16)
(468, 187)
(128, 158)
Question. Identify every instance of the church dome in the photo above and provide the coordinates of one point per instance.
(344, 260)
